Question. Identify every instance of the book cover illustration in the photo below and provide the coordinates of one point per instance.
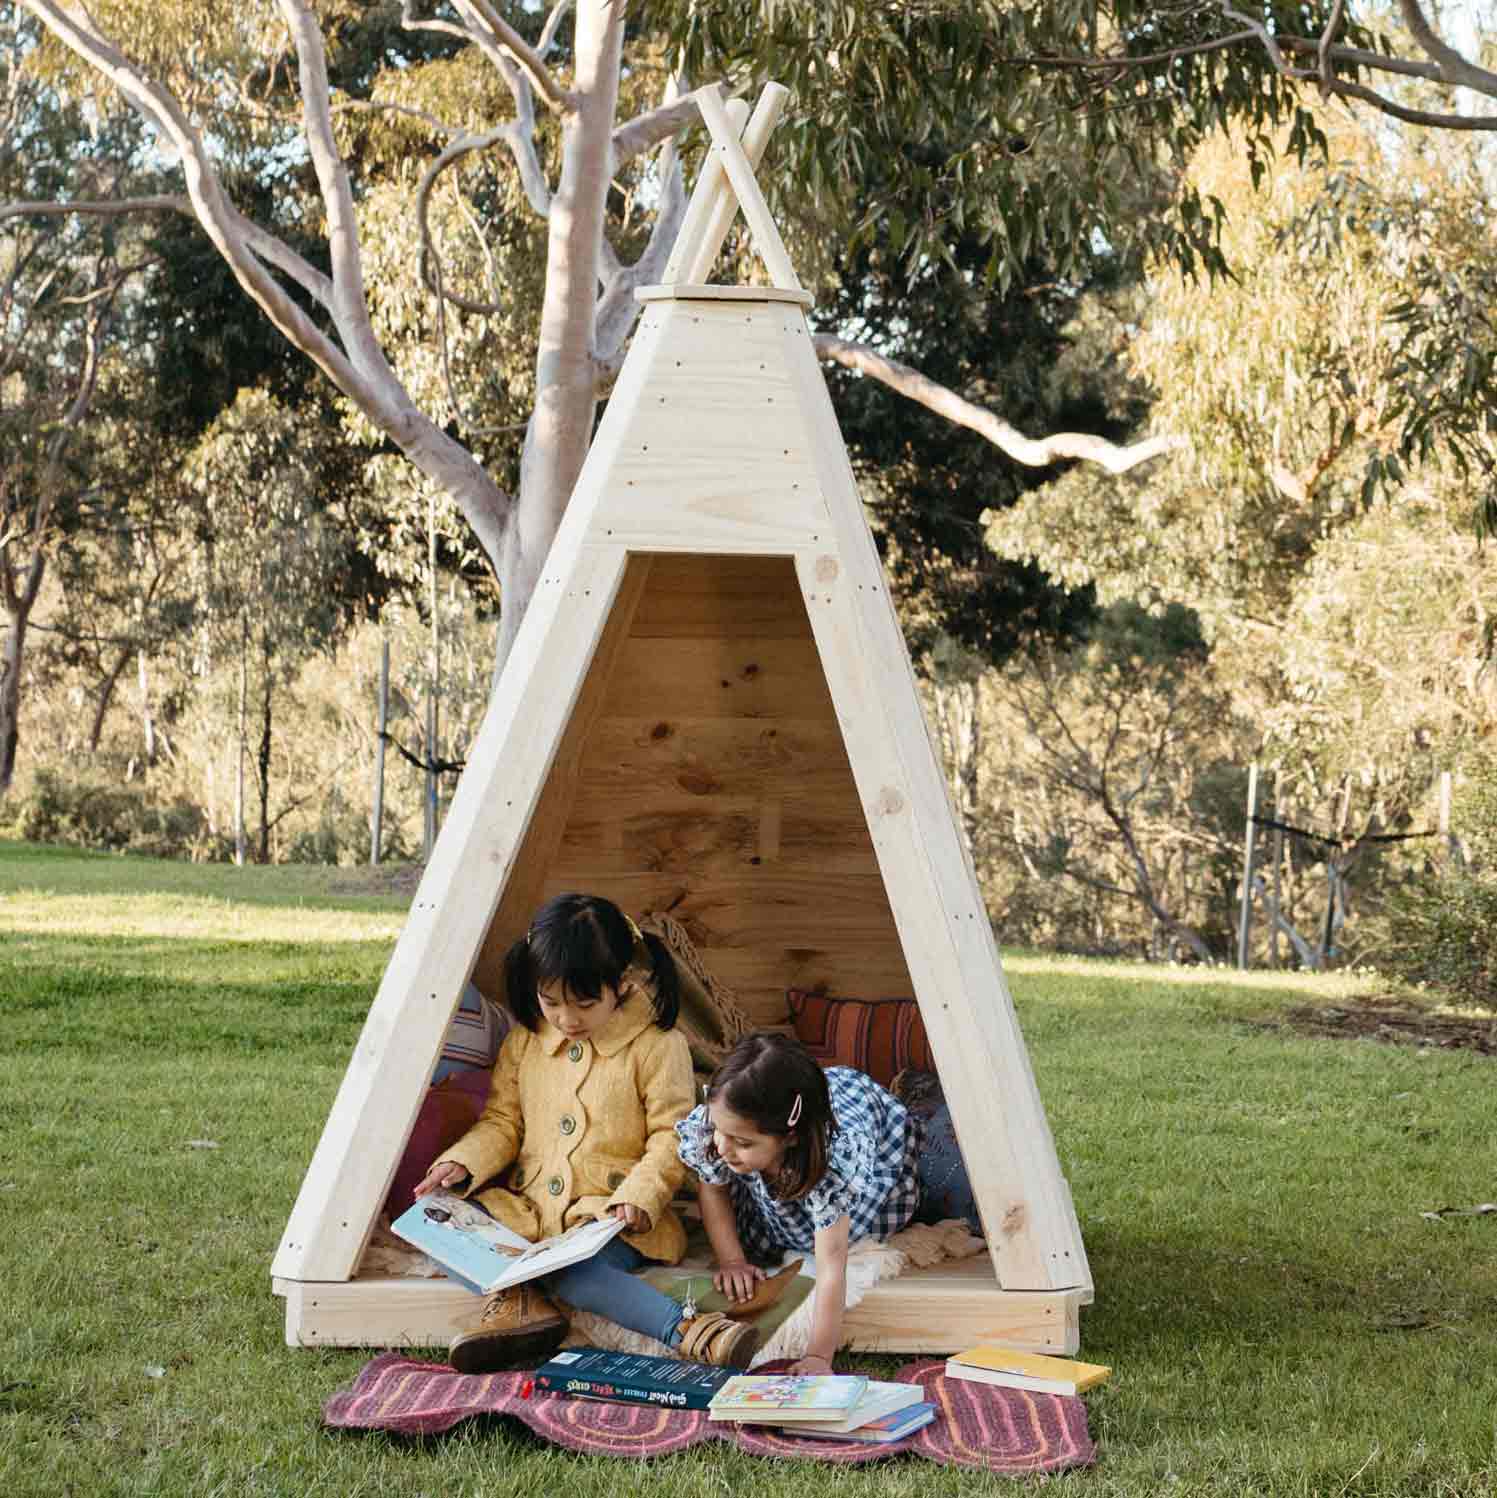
(1026, 1370)
(775, 1397)
(630, 1378)
(485, 1255)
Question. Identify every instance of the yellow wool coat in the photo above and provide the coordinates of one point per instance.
(572, 1128)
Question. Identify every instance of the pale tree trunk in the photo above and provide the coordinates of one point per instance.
(560, 428)
(18, 596)
(961, 738)
(147, 719)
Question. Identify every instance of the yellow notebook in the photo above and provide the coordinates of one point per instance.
(1026, 1370)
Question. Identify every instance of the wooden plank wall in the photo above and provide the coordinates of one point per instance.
(709, 778)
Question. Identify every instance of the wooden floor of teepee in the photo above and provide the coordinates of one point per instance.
(923, 1310)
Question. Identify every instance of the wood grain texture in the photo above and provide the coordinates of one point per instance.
(941, 1310)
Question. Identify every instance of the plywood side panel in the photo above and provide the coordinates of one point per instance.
(709, 678)
(537, 855)
(739, 597)
(743, 821)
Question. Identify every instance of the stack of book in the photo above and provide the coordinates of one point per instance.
(841, 1407)
(1013, 1369)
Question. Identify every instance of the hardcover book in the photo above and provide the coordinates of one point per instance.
(485, 1255)
(780, 1398)
(1026, 1370)
(891, 1427)
(879, 1399)
(630, 1378)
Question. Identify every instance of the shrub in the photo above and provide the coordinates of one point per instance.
(1440, 928)
(93, 813)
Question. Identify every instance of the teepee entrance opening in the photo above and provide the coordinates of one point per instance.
(709, 711)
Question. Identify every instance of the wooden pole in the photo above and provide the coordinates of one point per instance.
(377, 821)
(1244, 922)
(1278, 863)
(239, 839)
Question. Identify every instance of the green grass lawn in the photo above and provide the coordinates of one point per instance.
(1280, 1318)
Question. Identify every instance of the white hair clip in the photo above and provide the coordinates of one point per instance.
(794, 1118)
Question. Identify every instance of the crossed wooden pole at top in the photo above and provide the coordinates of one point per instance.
(727, 183)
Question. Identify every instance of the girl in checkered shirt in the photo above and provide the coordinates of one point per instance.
(792, 1158)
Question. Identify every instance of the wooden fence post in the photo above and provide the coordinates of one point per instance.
(1244, 924)
(1278, 864)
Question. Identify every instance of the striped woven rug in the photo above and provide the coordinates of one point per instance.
(976, 1425)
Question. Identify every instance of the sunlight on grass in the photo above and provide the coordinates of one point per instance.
(178, 916)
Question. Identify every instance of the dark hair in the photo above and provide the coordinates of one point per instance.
(761, 1079)
(585, 943)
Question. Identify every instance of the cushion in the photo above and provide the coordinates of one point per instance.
(448, 1111)
(877, 1036)
(474, 1036)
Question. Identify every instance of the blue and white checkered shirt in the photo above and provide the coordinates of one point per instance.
(870, 1176)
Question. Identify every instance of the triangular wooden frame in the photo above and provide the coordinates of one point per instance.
(718, 466)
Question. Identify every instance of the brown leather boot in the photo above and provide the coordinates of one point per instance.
(516, 1328)
(766, 1293)
(711, 1337)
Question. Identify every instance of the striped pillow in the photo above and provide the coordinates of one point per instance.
(878, 1036)
(474, 1036)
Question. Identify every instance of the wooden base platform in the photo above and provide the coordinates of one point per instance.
(938, 1310)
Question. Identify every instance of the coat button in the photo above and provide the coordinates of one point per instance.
(568, 1124)
(555, 1186)
(615, 1179)
(574, 1051)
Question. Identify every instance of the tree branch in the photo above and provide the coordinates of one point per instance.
(1454, 68)
(480, 12)
(646, 131)
(917, 387)
(101, 207)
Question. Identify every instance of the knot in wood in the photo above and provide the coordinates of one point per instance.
(889, 801)
(826, 569)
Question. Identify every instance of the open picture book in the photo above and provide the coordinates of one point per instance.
(485, 1255)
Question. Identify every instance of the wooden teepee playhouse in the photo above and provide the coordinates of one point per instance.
(710, 709)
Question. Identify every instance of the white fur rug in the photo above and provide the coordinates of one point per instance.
(868, 1262)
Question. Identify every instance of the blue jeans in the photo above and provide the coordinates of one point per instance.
(945, 1190)
(607, 1285)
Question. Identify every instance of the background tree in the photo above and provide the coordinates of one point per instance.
(65, 290)
(273, 563)
(966, 133)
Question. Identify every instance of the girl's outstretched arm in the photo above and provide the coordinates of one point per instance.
(831, 1298)
(735, 1276)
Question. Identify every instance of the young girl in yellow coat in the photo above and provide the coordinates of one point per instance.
(580, 1124)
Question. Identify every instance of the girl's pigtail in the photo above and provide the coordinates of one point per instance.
(520, 985)
(666, 994)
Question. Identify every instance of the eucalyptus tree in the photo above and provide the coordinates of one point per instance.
(66, 285)
(1019, 126)
(272, 559)
(1338, 398)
